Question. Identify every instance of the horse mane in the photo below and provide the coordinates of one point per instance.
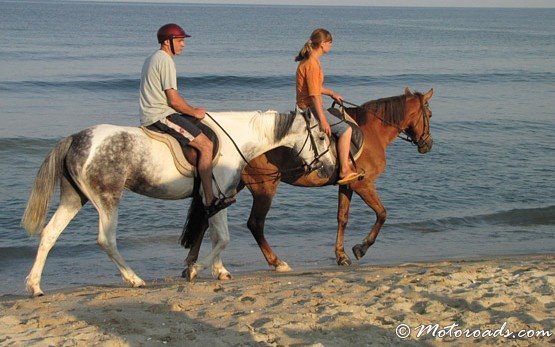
(283, 124)
(390, 110)
(271, 122)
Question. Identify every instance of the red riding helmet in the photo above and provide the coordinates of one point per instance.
(170, 31)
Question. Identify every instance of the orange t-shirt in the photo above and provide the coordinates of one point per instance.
(310, 79)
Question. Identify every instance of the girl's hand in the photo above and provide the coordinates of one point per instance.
(338, 98)
(325, 126)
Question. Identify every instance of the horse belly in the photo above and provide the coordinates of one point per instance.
(165, 182)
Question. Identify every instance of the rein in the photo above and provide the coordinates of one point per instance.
(231, 138)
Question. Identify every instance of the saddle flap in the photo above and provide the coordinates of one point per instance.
(184, 157)
(357, 138)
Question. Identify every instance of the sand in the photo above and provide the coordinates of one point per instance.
(354, 306)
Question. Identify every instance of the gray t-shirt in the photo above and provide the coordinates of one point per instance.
(158, 75)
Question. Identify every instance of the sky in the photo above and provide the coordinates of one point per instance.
(408, 3)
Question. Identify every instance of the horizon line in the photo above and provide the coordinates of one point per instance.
(312, 3)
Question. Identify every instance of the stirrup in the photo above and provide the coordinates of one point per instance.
(217, 205)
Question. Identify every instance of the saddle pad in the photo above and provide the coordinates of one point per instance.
(182, 165)
(357, 139)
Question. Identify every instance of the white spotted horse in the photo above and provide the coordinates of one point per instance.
(98, 163)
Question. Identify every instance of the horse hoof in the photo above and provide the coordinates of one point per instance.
(283, 267)
(37, 294)
(189, 275)
(358, 251)
(224, 276)
(139, 284)
(34, 291)
(344, 261)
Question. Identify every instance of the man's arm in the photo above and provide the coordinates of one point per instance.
(179, 104)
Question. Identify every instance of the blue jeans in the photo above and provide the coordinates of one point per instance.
(338, 126)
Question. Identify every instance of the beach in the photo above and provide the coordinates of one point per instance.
(448, 302)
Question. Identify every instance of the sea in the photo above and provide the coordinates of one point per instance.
(486, 189)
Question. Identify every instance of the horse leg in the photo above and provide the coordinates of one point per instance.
(344, 203)
(261, 204)
(192, 256)
(71, 202)
(218, 269)
(220, 238)
(108, 220)
(370, 196)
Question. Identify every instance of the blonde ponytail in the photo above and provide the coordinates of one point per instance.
(304, 52)
(316, 38)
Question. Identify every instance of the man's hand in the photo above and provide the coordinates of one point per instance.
(199, 113)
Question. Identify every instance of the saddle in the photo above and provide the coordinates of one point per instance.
(357, 138)
(184, 156)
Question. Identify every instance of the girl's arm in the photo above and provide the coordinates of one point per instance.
(332, 94)
(316, 101)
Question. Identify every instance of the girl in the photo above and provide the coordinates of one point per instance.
(310, 87)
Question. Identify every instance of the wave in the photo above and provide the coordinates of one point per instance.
(516, 217)
(61, 250)
(81, 247)
(25, 145)
(110, 83)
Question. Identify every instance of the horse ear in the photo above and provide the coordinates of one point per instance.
(429, 94)
(408, 91)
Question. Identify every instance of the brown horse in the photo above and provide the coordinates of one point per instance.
(381, 121)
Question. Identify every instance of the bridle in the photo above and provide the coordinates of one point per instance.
(315, 164)
(426, 114)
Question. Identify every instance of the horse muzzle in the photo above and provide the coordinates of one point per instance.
(425, 144)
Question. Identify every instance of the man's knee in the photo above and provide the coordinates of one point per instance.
(203, 143)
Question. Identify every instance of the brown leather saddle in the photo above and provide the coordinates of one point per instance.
(184, 156)
(357, 138)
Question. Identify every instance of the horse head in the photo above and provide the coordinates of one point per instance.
(417, 122)
(314, 150)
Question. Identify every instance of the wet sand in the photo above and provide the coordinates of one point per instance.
(359, 305)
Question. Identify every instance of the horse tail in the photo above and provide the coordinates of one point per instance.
(48, 176)
(197, 222)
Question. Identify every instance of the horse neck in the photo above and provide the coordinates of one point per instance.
(293, 134)
(254, 132)
(375, 129)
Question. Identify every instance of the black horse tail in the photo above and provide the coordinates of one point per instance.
(196, 223)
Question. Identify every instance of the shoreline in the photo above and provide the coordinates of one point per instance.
(362, 304)
(206, 276)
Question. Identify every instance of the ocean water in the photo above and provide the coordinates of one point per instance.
(486, 188)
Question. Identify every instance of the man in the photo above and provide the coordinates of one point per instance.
(162, 106)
